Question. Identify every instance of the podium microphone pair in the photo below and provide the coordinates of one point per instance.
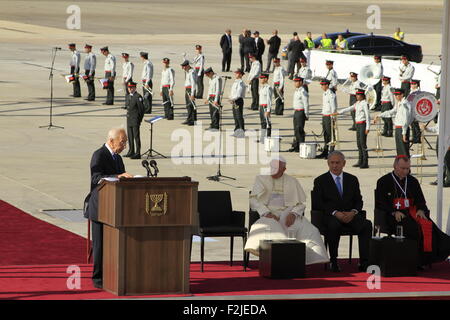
(147, 166)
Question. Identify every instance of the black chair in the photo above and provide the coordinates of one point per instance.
(379, 219)
(217, 219)
(252, 217)
(317, 219)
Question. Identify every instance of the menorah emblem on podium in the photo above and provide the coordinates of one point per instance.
(152, 204)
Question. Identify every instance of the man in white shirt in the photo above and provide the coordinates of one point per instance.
(127, 74)
(406, 73)
(214, 96)
(253, 80)
(147, 82)
(75, 70)
(278, 86)
(305, 72)
(190, 87)
(387, 103)
(199, 65)
(110, 74)
(90, 64)
(237, 96)
(331, 75)
(166, 88)
(265, 106)
(301, 113)
(378, 74)
(415, 128)
(329, 107)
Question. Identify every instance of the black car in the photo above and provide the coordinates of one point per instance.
(384, 46)
(333, 36)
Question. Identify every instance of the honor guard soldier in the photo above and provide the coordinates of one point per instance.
(190, 86)
(110, 74)
(147, 82)
(329, 107)
(378, 74)
(135, 114)
(199, 65)
(166, 88)
(237, 96)
(387, 103)
(75, 70)
(214, 91)
(402, 121)
(301, 113)
(355, 84)
(362, 118)
(265, 106)
(415, 128)
(305, 73)
(406, 73)
(90, 62)
(127, 73)
(331, 75)
(253, 80)
(278, 86)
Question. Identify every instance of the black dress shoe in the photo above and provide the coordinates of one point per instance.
(185, 122)
(334, 267)
(293, 149)
(135, 156)
(364, 166)
(356, 165)
(352, 129)
(322, 156)
(128, 155)
(107, 104)
(190, 123)
(97, 284)
(434, 183)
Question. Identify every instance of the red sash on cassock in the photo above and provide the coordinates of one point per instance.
(426, 226)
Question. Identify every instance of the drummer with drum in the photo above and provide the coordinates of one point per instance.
(362, 120)
(415, 128)
(301, 113)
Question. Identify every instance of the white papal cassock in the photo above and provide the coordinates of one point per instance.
(280, 197)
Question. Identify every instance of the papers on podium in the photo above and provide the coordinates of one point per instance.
(154, 119)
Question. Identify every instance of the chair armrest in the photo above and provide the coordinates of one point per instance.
(238, 218)
(253, 216)
(363, 213)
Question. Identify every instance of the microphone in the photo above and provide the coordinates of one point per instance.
(57, 48)
(145, 165)
(226, 77)
(154, 166)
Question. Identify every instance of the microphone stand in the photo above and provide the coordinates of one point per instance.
(50, 125)
(219, 174)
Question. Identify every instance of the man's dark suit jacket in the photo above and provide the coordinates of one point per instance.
(224, 44)
(249, 45)
(102, 166)
(260, 47)
(135, 110)
(327, 198)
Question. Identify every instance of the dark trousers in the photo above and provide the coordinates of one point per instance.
(265, 122)
(238, 114)
(134, 135)
(291, 65)
(326, 127)
(388, 127)
(255, 94)
(299, 128)
(90, 85)
(361, 141)
(270, 57)
(168, 104)
(226, 60)
(259, 58)
(242, 56)
(110, 89)
(351, 102)
(247, 62)
(75, 83)
(411, 230)
(147, 98)
(402, 147)
(97, 251)
(416, 133)
(279, 104)
(359, 225)
(438, 93)
(407, 87)
(199, 93)
(378, 88)
(191, 112)
(214, 113)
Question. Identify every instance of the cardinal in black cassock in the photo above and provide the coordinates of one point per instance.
(400, 196)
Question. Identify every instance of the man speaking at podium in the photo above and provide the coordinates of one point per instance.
(105, 163)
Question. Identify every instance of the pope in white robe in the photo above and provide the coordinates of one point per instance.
(280, 201)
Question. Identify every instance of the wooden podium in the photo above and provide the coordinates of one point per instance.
(148, 224)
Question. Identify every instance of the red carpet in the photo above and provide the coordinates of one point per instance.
(34, 256)
(25, 240)
(219, 279)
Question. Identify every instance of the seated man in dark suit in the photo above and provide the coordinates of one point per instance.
(337, 195)
(105, 163)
